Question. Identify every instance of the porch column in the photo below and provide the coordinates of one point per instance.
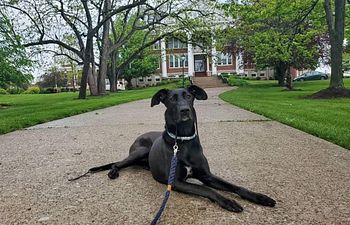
(214, 70)
(239, 63)
(208, 70)
(190, 56)
(163, 57)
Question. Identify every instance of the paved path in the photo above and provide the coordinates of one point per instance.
(309, 177)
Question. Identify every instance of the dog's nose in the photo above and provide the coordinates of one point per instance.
(185, 111)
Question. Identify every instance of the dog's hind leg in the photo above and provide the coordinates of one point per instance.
(139, 156)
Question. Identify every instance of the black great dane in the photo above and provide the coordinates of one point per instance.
(155, 150)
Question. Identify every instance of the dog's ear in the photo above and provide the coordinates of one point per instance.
(198, 92)
(159, 97)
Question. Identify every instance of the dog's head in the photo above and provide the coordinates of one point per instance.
(179, 102)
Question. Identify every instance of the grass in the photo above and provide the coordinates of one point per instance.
(327, 119)
(20, 111)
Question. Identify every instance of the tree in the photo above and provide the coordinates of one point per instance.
(142, 66)
(130, 45)
(279, 34)
(47, 22)
(336, 26)
(52, 79)
(346, 61)
(155, 22)
(79, 18)
(336, 29)
(13, 59)
(347, 24)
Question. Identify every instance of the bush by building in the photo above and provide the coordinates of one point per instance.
(3, 92)
(32, 90)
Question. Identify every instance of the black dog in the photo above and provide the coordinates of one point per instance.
(155, 150)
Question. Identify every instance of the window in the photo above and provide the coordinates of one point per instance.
(253, 75)
(149, 79)
(141, 79)
(175, 61)
(156, 45)
(224, 59)
(175, 43)
(262, 74)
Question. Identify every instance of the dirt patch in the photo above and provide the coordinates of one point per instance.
(294, 89)
(330, 93)
(4, 105)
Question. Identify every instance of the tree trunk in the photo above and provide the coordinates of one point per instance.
(128, 84)
(117, 75)
(86, 68)
(280, 73)
(336, 33)
(289, 79)
(92, 80)
(112, 73)
(104, 54)
(84, 80)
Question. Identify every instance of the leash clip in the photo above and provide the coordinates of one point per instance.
(176, 148)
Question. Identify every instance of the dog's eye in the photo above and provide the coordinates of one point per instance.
(173, 98)
(189, 97)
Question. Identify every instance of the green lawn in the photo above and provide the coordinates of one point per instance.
(328, 119)
(27, 110)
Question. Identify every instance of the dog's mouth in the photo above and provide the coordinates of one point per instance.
(185, 118)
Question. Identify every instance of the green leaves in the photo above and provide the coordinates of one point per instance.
(277, 31)
(13, 59)
(145, 63)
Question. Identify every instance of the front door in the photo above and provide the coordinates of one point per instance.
(200, 66)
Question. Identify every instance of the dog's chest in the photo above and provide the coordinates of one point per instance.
(188, 171)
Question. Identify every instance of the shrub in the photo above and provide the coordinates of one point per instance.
(3, 92)
(258, 78)
(166, 81)
(226, 75)
(32, 90)
(14, 91)
(49, 90)
(179, 82)
(64, 89)
(237, 82)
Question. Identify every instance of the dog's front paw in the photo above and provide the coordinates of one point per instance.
(264, 200)
(230, 205)
(113, 173)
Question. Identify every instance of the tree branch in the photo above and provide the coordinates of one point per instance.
(62, 54)
(329, 16)
(114, 12)
(306, 14)
(56, 42)
(143, 47)
(27, 14)
(74, 28)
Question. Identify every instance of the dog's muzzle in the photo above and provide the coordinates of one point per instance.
(185, 114)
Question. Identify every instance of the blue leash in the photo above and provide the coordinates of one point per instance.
(170, 184)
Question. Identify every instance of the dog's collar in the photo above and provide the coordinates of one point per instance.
(182, 138)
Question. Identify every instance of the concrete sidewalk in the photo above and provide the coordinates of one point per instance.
(309, 177)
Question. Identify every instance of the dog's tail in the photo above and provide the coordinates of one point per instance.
(94, 170)
(101, 168)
